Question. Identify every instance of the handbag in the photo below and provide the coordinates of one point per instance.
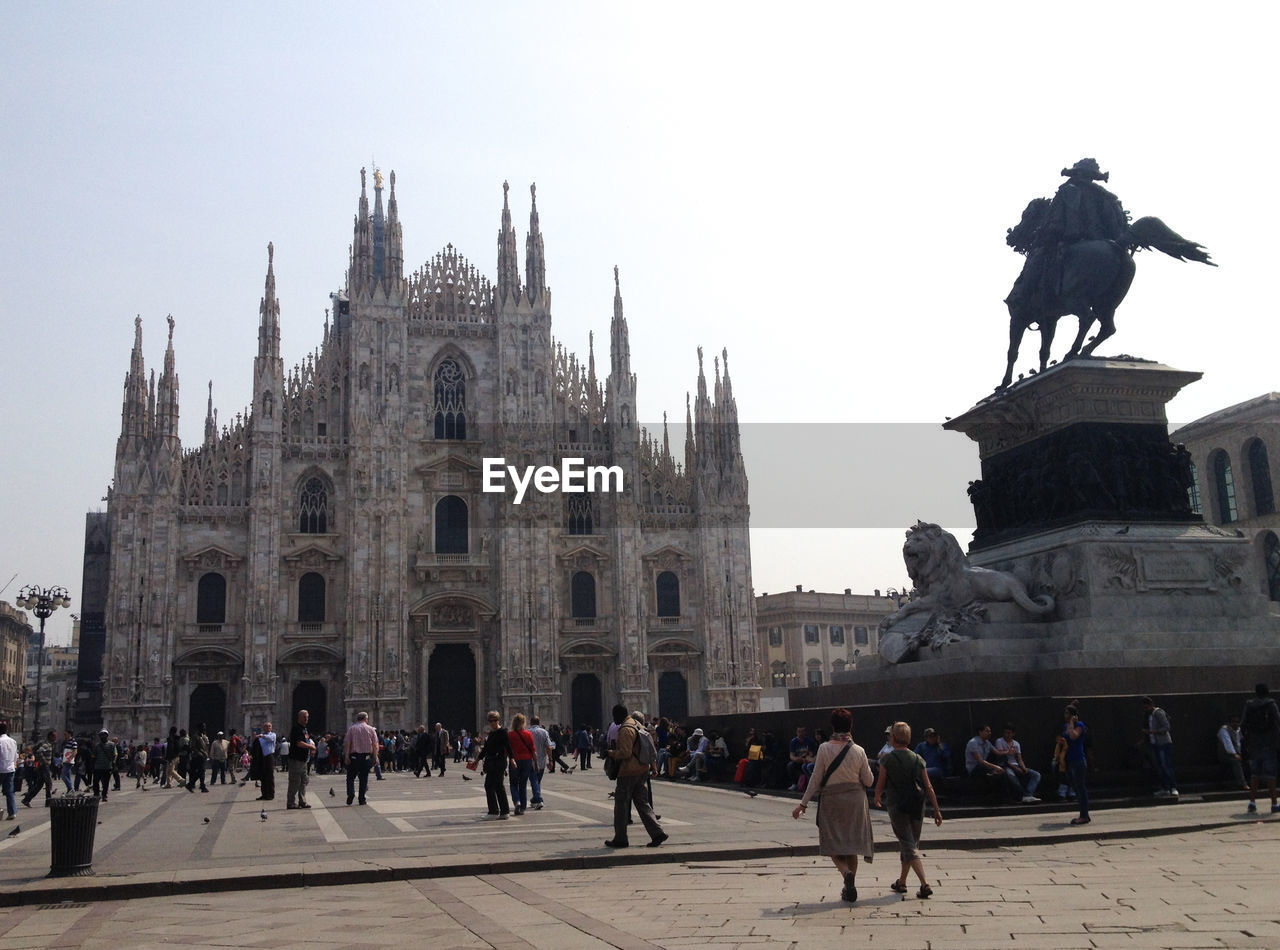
(473, 765)
(835, 764)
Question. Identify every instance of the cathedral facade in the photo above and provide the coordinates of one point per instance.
(339, 546)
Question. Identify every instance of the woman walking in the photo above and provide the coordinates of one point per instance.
(905, 778)
(522, 762)
(841, 776)
(494, 755)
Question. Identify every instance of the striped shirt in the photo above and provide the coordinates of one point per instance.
(361, 739)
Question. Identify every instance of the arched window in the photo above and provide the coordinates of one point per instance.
(211, 599)
(580, 514)
(1271, 564)
(451, 526)
(582, 595)
(449, 389)
(1264, 499)
(311, 598)
(313, 507)
(668, 595)
(1226, 486)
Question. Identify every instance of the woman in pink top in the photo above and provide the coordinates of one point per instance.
(522, 759)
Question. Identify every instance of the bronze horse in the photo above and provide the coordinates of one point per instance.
(1085, 278)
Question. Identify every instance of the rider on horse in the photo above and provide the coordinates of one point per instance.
(1082, 210)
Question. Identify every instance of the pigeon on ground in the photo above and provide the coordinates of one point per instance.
(16, 829)
(206, 821)
(751, 793)
(263, 815)
(466, 778)
(332, 794)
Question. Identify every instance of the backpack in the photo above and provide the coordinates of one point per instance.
(643, 749)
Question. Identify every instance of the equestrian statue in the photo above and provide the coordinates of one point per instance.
(1079, 248)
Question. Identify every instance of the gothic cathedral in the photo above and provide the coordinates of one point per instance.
(335, 548)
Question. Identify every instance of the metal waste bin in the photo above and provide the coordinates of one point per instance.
(73, 819)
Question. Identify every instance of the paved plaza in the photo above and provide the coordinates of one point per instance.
(420, 862)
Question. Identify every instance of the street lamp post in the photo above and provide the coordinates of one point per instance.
(41, 601)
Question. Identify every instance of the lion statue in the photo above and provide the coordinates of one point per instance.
(944, 580)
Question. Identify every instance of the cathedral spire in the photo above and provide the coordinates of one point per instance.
(210, 421)
(395, 238)
(269, 313)
(689, 452)
(133, 414)
(379, 228)
(535, 265)
(361, 271)
(508, 269)
(619, 337)
(167, 397)
(702, 418)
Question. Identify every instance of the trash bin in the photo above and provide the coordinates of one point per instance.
(73, 819)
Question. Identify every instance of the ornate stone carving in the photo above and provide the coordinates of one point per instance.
(452, 615)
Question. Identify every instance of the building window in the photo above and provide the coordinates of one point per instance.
(451, 525)
(1193, 490)
(860, 636)
(775, 636)
(580, 514)
(668, 595)
(1264, 499)
(583, 595)
(1271, 562)
(311, 598)
(811, 634)
(211, 599)
(837, 635)
(313, 507)
(1226, 486)
(449, 388)
(815, 677)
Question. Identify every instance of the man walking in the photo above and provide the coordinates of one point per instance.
(439, 747)
(44, 765)
(104, 758)
(541, 750)
(359, 747)
(1157, 732)
(629, 753)
(300, 749)
(267, 763)
(218, 760)
(199, 755)
(1260, 726)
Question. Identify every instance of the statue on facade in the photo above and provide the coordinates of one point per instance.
(1079, 249)
(949, 592)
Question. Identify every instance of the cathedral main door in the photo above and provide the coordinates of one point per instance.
(209, 706)
(586, 701)
(313, 697)
(673, 696)
(451, 688)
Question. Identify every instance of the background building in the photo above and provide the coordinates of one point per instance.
(1234, 489)
(806, 637)
(332, 547)
(15, 635)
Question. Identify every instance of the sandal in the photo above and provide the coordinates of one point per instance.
(850, 893)
(925, 892)
(898, 887)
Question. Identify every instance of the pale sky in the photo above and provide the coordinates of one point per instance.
(823, 189)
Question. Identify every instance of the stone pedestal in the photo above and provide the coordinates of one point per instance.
(1084, 441)
(1083, 499)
